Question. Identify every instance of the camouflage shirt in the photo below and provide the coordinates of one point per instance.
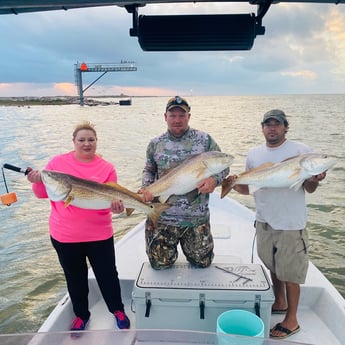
(164, 153)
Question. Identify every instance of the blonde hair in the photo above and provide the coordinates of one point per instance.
(84, 125)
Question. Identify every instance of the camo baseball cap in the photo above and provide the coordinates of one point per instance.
(178, 102)
(276, 114)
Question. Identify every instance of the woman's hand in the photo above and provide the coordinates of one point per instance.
(34, 176)
(117, 206)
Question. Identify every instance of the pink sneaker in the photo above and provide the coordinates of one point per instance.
(121, 319)
(78, 324)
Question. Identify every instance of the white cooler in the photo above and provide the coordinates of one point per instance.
(188, 298)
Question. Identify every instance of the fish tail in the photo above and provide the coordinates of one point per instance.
(129, 211)
(226, 188)
(156, 210)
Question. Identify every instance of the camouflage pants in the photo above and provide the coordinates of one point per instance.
(162, 240)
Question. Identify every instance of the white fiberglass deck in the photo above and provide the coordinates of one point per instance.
(321, 310)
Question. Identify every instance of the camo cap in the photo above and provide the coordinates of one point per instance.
(178, 102)
(276, 114)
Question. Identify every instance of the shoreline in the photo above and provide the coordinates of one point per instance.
(59, 100)
(26, 101)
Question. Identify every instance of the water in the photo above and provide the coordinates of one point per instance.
(31, 278)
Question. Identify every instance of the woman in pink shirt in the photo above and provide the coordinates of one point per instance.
(78, 234)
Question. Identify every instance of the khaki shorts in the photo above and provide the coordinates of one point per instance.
(284, 252)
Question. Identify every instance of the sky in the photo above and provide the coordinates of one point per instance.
(302, 52)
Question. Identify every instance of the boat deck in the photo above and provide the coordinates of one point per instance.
(314, 329)
(321, 311)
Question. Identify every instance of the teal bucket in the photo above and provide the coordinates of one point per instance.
(239, 322)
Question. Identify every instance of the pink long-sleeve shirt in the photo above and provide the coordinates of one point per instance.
(74, 224)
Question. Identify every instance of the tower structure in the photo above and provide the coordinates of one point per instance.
(80, 68)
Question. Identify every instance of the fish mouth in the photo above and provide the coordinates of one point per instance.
(44, 175)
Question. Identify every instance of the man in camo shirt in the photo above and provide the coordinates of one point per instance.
(188, 220)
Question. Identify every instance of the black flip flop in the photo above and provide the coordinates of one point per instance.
(280, 328)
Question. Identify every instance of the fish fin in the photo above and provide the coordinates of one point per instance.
(208, 167)
(68, 200)
(156, 210)
(253, 189)
(129, 211)
(200, 171)
(226, 188)
(298, 184)
(163, 198)
(295, 173)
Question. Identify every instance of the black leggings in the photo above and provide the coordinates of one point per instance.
(101, 255)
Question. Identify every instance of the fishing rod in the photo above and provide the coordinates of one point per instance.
(11, 197)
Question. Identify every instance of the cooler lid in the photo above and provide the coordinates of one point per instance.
(215, 277)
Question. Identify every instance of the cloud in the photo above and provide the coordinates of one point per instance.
(334, 36)
(67, 89)
(300, 74)
(37, 89)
